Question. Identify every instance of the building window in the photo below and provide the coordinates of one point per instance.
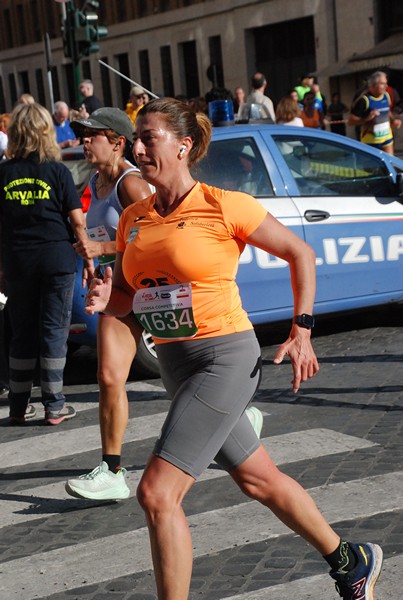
(21, 25)
(13, 88)
(390, 17)
(40, 87)
(55, 84)
(7, 30)
(166, 67)
(125, 86)
(190, 71)
(2, 97)
(145, 69)
(142, 8)
(106, 83)
(23, 79)
(86, 69)
(35, 22)
(70, 84)
(216, 63)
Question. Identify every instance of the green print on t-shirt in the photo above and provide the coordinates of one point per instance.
(26, 197)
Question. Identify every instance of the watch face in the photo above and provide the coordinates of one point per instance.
(305, 321)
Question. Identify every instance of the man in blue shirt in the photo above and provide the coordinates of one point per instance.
(66, 138)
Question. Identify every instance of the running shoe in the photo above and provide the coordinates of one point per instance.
(30, 413)
(359, 583)
(256, 418)
(55, 417)
(100, 484)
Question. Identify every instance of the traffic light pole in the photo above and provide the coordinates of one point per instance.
(81, 34)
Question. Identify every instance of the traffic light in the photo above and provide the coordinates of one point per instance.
(88, 33)
(81, 32)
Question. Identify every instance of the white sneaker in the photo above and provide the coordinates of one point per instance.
(100, 484)
(256, 418)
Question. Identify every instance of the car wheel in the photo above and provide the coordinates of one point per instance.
(146, 361)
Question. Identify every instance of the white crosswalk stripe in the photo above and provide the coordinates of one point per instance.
(81, 564)
(287, 448)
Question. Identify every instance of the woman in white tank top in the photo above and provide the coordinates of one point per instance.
(107, 134)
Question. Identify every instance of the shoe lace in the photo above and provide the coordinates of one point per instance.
(92, 474)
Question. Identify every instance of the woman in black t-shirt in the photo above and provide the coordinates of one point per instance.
(40, 214)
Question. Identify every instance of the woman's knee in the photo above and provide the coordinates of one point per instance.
(108, 376)
(153, 498)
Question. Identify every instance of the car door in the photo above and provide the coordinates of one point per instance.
(238, 159)
(351, 215)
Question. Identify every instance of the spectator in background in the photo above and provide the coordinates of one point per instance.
(146, 98)
(38, 260)
(335, 111)
(65, 136)
(305, 86)
(4, 121)
(311, 116)
(182, 98)
(218, 93)
(90, 102)
(136, 101)
(372, 112)
(257, 95)
(288, 112)
(239, 98)
(320, 101)
(26, 99)
(199, 104)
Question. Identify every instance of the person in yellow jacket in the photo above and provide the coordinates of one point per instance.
(136, 101)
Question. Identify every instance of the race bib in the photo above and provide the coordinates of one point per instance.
(381, 130)
(166, 312)
(99, 234)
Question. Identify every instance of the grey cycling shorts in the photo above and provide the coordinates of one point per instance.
(211, 382)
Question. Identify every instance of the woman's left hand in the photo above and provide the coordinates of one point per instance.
(299, 348)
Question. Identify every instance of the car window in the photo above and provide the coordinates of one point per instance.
(320, 167)
(235, 164)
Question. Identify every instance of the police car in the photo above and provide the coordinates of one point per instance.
(342, 197)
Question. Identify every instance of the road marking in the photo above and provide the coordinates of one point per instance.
(315, 588)
(213, 531)
(57, 442)
(51, 499)
(75, 390)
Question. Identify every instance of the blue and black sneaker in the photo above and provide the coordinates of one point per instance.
(359, 583)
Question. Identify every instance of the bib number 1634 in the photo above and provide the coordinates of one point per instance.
(166, 312)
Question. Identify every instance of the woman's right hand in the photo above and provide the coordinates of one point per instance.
(98, 295)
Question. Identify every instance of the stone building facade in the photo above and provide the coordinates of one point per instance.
(169, 45)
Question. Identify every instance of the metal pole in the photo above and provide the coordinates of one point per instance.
(104, 64)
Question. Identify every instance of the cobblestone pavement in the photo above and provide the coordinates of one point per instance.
(340, 437)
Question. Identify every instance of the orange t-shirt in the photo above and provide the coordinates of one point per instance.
(198, 243)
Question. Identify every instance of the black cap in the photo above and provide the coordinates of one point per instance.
(106, 118)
